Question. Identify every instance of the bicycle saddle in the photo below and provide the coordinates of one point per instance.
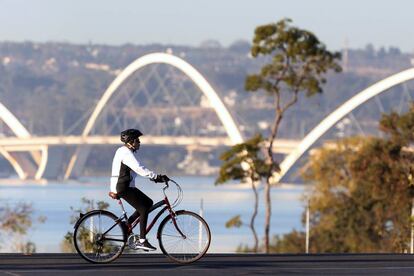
(113, 195)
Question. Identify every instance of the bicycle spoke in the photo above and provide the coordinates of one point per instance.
(189, 248)
(99, 237)
(176, 236)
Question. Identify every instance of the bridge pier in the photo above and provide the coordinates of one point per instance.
(77, 162)
(55, 163)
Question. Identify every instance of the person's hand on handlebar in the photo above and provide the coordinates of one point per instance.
(161, 178)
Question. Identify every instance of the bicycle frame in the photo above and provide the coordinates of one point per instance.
(160, 203)
(96, 241)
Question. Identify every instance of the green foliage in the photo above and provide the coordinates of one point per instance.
(245, 248)
(234, 222)
(363, 192)
(245, 162)
(87, 205)
(248, 153)
(298, 62)
(17, 219)
(67, 243)
(28, 248)
(399, 128)
(15, 222)
(293, 242)
(362, 200)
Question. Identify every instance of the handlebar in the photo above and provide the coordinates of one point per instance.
(179, 198)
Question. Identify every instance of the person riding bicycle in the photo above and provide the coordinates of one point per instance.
(125, 167)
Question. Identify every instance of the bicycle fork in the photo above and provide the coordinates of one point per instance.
(173, 217)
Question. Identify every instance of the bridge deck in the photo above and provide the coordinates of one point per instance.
(25, 144)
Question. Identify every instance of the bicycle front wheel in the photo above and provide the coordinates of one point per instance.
(99, 237)
(189, 245)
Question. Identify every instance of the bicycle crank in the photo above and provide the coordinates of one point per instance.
(132, 241)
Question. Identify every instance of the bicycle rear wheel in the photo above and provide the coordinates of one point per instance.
(190, 247)
(98, 237)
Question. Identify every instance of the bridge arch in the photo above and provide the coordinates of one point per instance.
(224, 115)
(347, 107)
(11, 121)
(20, 131)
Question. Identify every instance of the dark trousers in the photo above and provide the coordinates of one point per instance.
(142, 203)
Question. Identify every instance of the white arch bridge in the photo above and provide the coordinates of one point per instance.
(13, 145)
(38, 148)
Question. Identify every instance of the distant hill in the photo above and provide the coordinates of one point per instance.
(49, 86)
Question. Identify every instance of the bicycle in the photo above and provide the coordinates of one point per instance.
(184, 237)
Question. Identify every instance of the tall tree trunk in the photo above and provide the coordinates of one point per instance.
(271, 161)
(268, 214)
(279, 111)
(256, 205)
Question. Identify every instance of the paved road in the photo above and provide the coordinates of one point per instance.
(213, 264)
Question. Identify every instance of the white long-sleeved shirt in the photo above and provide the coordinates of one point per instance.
(124, 155)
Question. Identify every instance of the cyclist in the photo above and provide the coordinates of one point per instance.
(125, 167)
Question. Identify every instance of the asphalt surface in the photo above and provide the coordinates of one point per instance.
(212, 264)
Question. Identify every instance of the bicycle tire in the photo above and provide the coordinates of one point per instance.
(87, 241)
(180, 249)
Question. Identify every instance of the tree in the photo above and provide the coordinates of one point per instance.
(363, 203)
(15, 222)
(298, 64)
(363, 192)
(244, 162)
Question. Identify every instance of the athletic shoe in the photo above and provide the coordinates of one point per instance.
(145, 246)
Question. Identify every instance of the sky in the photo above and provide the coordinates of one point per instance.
(383, 23)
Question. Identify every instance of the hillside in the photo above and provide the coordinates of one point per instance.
(51, 87)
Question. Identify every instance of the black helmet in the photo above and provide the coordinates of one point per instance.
(130, 135)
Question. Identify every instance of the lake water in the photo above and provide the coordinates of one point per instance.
(220, 203)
